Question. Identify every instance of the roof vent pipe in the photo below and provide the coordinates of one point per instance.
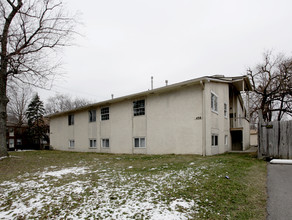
(151, 82)
(112, 96)
(166, 82)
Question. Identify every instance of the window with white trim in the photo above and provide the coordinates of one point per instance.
(11, 132)
(214, 140)
(92, 143)
(70, 119)
(214, 102)
(11, 143)
(139, 142)
(71, 143)
(105, 143)
(139, 107)
(225, 110)
(92, 115)
(104, 113)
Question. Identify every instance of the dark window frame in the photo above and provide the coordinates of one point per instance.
(92, 115)
(139, 107)
(70, 119)
(104, 113)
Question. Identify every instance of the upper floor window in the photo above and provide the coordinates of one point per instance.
(11, 132)
(225, 110)
(104, 113)
(92, 115)
(139, 107)
(214, 102)
(70, 119)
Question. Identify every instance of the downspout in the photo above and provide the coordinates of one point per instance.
(204, 119)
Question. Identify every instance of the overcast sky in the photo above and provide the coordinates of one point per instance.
(125, 42)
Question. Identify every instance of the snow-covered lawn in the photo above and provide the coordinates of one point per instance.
(61, 185)
(82, 192)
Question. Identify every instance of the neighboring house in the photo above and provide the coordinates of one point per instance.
(19, 138)
(16, 136)
(202, 116)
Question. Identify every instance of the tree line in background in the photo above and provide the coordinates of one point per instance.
(21, 97)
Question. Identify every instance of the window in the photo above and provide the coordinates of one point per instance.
(70, 119)
(104, 113)
(139, 142)
(92, 115)
(92, 143)
(139, 107)
(214, 140)
(71, 143)
(105, 143)
(214, 105)
(18, 142)
(11, 143)
(225, 110)
(226, 140)
(11, 132)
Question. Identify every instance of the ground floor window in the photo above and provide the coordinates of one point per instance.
(226, 140)
(11, 143)
(105, 143)
(139, 142)
(71, 143)
(214, 140)
(92, 143)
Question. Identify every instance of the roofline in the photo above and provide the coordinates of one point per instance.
(154, 91)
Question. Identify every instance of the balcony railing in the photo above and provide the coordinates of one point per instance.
(237, 122)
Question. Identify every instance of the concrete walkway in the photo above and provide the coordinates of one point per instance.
(279, 183)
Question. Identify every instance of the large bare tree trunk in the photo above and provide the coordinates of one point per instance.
(3, 116)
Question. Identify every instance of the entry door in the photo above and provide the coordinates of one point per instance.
(236, 137)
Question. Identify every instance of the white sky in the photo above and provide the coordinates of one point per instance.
(125, 42)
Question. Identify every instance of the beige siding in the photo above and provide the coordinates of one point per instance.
(171, 122)
(216, 122)
(178, 121)
(169, 126)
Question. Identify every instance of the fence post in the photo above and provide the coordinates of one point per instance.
(260, 142)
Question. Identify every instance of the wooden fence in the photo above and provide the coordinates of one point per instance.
(275, 139)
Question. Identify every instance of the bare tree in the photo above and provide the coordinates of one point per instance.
(61, 102)
(19, 98)
(31, 32)
(271, 81)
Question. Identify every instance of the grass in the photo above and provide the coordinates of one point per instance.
(56, 184)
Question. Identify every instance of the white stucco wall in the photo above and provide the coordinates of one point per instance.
(216, 122)
(172, 124)
(177, 121)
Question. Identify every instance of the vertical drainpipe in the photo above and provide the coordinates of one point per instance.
(204, 119)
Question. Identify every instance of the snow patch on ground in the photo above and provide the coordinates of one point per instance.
(60, 173)
(105, 194)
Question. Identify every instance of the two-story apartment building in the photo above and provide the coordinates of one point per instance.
(202, 116)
